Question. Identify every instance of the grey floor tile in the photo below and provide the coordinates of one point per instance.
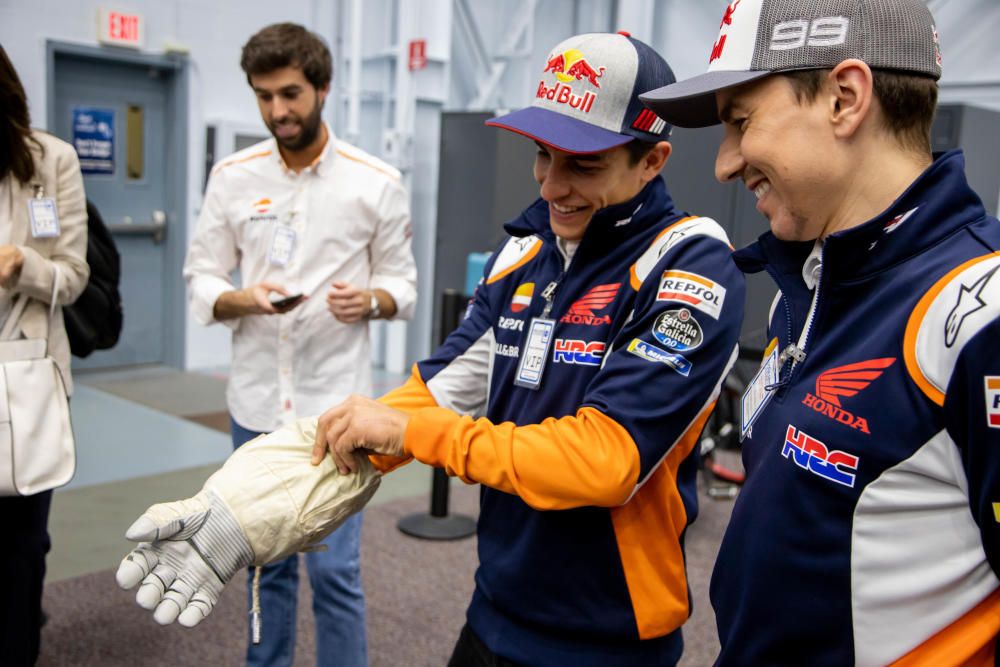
(118, 439)
(161, 388)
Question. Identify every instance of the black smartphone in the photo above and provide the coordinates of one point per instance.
(279, 301)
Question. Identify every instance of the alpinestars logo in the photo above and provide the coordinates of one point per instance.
(598, 298)
(970, 300)
(845, 381)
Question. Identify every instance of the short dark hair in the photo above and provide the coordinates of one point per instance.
(288, 45)
(908, 102)
(638, 149)
(15, 125)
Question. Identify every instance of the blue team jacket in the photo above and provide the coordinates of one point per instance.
(588, 480)
(867, 531)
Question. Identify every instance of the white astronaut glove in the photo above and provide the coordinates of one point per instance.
(266, 502)
(188, 550)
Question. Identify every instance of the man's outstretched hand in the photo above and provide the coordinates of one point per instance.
(188, 550)
(264, 503)
(359, 423)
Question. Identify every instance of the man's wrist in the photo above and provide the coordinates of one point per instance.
(374, 307)
(235, 303)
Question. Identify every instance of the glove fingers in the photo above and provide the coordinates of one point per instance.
(174, 601)
(201, 605)
(154, 586)
(136, 566)
(148, 529)
(143, 529)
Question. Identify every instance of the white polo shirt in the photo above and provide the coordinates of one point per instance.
(344, 218)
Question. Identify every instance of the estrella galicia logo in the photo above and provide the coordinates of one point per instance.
(678, 330)
(810, 454)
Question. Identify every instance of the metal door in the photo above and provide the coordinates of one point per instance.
(127, 106)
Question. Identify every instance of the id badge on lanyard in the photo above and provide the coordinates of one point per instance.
(760, 390)
(531, 366)
(43, 214)
(282, 245)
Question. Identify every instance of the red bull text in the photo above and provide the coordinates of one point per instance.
(563, 94)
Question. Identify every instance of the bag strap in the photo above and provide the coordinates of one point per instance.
(7, 332)
(56, 275)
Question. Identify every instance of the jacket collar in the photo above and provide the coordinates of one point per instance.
(614, 222)
(937, 204)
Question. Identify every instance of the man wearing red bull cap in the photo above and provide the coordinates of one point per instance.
(574, 392)
(576, 387)
(868, 531)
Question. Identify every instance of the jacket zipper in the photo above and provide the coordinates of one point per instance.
(797, 351)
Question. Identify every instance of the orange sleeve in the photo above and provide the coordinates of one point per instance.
(409, 397)
(575, 461)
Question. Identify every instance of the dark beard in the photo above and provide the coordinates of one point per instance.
(310, 130)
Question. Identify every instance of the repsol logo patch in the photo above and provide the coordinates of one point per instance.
(694, 290)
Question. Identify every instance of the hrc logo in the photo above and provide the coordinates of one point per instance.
(571, 351)
(810, 454)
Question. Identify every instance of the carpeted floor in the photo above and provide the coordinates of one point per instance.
(218, 421)
(416, 590)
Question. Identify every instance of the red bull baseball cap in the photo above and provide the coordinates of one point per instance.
(587, 97)
(762, 37)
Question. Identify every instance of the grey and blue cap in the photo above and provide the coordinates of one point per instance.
(587, 97)
(762, 37)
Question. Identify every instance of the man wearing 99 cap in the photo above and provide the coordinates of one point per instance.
(868, 530)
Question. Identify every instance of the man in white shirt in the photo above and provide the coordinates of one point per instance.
(320, 232)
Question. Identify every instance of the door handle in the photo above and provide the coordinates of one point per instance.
(156, 227)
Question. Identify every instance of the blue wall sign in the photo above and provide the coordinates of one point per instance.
(94, 139)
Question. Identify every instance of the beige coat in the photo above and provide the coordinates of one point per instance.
(58, 172)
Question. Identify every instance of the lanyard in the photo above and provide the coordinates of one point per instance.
(549, 295)
(531, 366)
